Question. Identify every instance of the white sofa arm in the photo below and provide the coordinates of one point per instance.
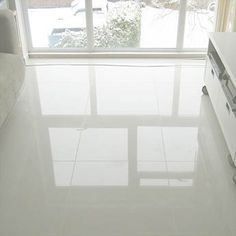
(12, 68)
(9, 40)
(12, 73)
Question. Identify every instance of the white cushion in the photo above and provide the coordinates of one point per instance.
(11, 78)
(9, 40)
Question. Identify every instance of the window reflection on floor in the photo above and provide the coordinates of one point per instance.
(64, 142)
(101, 159)
(190, 91)
(63, 93)
(120, 92)
(166, 182)
(167, 152)
(137, 130)
(105, 173)
(164, 83)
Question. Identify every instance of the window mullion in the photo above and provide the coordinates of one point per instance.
(89, 23)
(181, 24)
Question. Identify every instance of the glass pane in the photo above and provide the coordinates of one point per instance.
(200, 19)
(135, 23)
(57, 24)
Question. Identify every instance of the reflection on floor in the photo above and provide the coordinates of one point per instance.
(118, 151)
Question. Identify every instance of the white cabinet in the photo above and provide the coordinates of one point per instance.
(222, 92)
(227, 120)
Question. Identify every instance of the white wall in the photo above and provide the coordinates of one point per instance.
(3, 4)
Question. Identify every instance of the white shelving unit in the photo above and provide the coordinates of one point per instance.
(220, 81)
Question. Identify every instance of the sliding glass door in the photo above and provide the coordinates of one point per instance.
(118, 25)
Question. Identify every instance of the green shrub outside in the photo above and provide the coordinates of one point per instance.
(122, 29)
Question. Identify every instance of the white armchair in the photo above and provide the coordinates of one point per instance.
(12, 69)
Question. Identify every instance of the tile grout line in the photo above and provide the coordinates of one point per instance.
(164, 150)
(162, 136)
(73, 169)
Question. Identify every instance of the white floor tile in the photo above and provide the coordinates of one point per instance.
(107, 150)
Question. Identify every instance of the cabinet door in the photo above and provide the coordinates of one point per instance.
(225, 116)
(212, 83)
(227, 122)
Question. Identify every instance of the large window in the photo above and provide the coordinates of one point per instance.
(101, 25)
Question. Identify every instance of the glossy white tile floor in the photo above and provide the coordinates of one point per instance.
(114, 151)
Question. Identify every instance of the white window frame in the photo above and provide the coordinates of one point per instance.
(90, 50)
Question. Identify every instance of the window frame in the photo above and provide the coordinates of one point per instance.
(90, 49)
